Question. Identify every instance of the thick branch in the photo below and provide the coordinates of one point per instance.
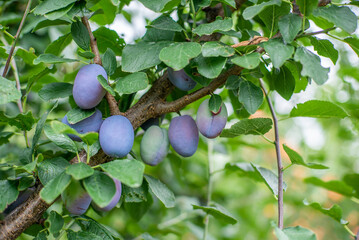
(279, 159)
(6, 68)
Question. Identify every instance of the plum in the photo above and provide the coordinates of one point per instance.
(183, 135)
(154, 145)
(76, 199)
(114, 200)
(180, 79)
(87, 90)
(211, 124)
(90, 124)
(21, 198)
(116, 136)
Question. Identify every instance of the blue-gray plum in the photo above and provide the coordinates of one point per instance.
(116, 136)
(76, 199)
(211, 124)
(21, 198)
(114, 200)
(90, 124)
(183, 135)
(152, 121)
(180, 79)
(87, 90)
(154, 145)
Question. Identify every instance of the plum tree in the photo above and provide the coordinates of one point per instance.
(114, 200)
(183, 135)
(90, 124)
(181, 79)
(154, 145)
(211, 124)
(76, 199)
(87, 90)
(116, 136)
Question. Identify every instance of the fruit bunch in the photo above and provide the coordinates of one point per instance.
(116, 133)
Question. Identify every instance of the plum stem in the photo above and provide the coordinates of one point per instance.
(209, 191)
(279, 159)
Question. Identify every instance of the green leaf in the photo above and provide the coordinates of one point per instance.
(306, 7)
(332, 185)
(79, 170)
(80, 35)
(289, 26)
(218, 25)
(60, 140)
(109, 62)
(55, 187)
(278, 51)
(335, 212)
(105, 85)
(80, 235)
(166, 23)
(47, 23)
(51, 59)
(231, 3)
(51, 5)
(248, 61)
(295, 233)
(342, 17)
(23, 121)
(244, 169)
(210, 67)
(269, 178)
(253, 126)
(131, 83)
(251, 96)
(100, 230)
(161, 191)
(215, 103)
(107, 38)
(4, 137)
(353, 181)
(77, 114)
(311, 65)
(270, 16)
(325, 48)
(55, 90)
(284, 82)
(135, 194)
(295, 158)
(158, 5)
(353, 43)
(55, 223)
(137, 209)
(87, 54)
(129, 172)
(59, 13)
(51, 168)
(57, 46)
(177, 55)
(107, 14)
(9, 193)
(216, 49)
(142, 55)
(318, 109)
(101, 188)
(218, 212)
(8, 91)
(254, 10)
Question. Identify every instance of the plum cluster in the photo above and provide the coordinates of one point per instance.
(116, 134)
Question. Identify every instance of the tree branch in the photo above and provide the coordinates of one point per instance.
(279, 159)
(7, 64)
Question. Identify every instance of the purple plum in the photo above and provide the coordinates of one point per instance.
(76, 199)
(114, 200)
(183, 135)
(90, 124)
(21, 198)
(116, 136)
(180, 79)
(154, 145)
(87, 90)
(211, 124)
(152, 121)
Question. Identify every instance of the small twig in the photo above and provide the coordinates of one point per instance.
(279, 159)
(315, 33)
(357, 236)
(114, 110)
(6, 68)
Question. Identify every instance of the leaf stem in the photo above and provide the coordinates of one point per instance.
(88, 154)
(315, 33)
(349, 231)
(78, 157)
(279, 159)
(193, 15)
(209, 191)
(287, 167)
